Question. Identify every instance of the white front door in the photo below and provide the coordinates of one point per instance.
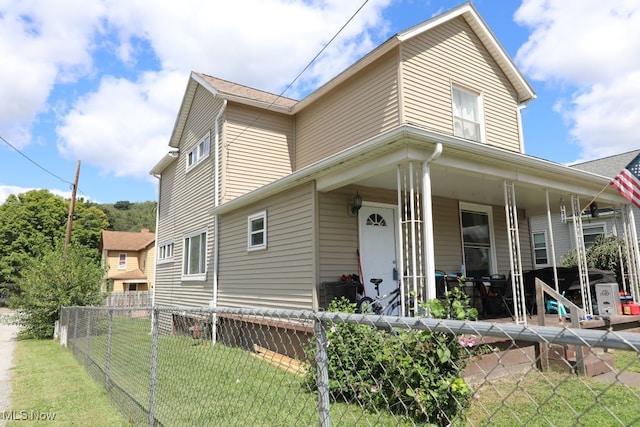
(377, 229)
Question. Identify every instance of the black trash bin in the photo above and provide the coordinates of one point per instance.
(331, 290)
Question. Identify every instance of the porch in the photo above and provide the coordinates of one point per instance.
(413, 206)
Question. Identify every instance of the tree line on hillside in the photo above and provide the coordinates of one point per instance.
(44, 273)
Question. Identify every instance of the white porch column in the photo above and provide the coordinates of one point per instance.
(427, 215)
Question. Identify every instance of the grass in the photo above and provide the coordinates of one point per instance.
(201, 384)
(47, 380)
(553, 398)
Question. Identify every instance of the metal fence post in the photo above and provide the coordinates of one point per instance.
(107, 365)
(75, 328)
(322, 365)
(154, 367)
(86, 344)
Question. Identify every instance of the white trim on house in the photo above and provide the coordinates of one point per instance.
(486, 210)
(257, 232)
(201, 275)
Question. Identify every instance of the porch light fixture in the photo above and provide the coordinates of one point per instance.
(356, 205)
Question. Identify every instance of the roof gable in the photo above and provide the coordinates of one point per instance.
(126, 241)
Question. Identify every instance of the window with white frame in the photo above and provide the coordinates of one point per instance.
(539, 239)
(195, 255)
(467, 115)
(257, 231)
(478, 249)
(165, 252)
(122, 261)
(591, 232)
(199, 152)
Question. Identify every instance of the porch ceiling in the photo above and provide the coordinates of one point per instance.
(470, 176)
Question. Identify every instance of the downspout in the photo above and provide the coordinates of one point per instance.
(216, 201)
(521, 107)
(427, 214)
(155, 243)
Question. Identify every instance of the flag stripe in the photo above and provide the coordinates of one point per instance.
(627, 182)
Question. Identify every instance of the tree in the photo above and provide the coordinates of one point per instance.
(134, 218)
(604, 254)
(34, 222)
(58, 278)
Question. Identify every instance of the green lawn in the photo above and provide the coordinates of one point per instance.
(48, 380)
(201, 384)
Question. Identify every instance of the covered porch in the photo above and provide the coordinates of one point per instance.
(432, 203)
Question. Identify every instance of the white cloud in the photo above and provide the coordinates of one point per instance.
(7, 190)
(589, 48)
(123, 126)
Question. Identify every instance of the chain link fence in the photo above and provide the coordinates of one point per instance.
(226, 367)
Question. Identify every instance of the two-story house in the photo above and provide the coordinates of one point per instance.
(409, 161)
(129, 260)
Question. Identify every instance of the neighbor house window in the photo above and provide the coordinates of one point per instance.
(195, 255)
(591, 232)
(165, 252)
(132, 287)
(257, 231)
(467, 115)
(122, 261)
(199, 152)
(540, 248)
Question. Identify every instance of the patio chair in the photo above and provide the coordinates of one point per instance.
(442, 285)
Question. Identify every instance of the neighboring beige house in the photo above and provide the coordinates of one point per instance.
(256, 197)
(129, 258)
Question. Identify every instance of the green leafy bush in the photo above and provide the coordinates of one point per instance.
(605, 254)
(415, 374)
(56, 279)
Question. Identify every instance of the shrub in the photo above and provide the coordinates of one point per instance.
(603, 254)
(55, 280)
(411, 373)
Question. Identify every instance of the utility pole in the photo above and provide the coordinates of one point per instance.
(72, 206)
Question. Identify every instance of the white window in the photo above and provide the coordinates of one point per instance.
(165, 252)
(199, 152)
(467, 115)
(257, 231)
(477, 240)
(122, 261)
(591, 232)
(539, 239)
(195, 256)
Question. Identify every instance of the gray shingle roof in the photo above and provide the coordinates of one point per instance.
(608, 166)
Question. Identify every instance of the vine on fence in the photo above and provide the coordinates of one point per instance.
(407, 372)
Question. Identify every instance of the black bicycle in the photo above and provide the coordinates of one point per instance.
(388, 304)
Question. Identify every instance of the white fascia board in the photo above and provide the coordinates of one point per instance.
(164, 162)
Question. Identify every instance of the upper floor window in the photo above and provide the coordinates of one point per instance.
(195, 256)
(591, 232)
(257, 231)
(199, 152)
(165, 252)
(540, 248)
(467, 115)
(122, 261)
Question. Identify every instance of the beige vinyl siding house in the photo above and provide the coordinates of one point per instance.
(424, 130)
(361, 107)
(453, 55)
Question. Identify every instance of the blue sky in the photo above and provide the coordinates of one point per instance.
(102, 82)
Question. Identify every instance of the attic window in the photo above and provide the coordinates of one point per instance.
(199, 152)
(122, 261)
(467, 115)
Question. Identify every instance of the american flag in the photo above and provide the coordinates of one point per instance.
(627, 182)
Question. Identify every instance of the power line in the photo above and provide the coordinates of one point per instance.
(326, 45)
(34, 162)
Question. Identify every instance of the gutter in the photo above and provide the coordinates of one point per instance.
(410, 133)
